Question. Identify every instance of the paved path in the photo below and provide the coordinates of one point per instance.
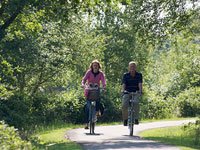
(116, 137)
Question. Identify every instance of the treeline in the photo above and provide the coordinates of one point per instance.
(47, 48)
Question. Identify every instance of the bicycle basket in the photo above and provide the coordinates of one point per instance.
(94, 95)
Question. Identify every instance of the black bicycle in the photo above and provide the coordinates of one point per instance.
(131, 111)
(93, 97)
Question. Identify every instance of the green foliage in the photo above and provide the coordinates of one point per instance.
(154, 106)
(16, 110)
(193, 131)
(5, 75)
(111, 98)
(175, 72)
(10, 139)
(189, 103)
(70, 106)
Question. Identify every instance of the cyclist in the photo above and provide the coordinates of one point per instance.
(131, 82)
(93, 75)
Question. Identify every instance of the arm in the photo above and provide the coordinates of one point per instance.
(123, 88)
(103, 81)
(84, 80)
(123, 84)
(140, 87)
(140, 84)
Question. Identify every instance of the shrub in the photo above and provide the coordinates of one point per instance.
(193, 131)
(155, 106)
(10, 139)
(189, 102)
(16, 110)
(112, 98)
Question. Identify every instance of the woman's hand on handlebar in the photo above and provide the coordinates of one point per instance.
(82, 86)
(122, 91)
(140, 92)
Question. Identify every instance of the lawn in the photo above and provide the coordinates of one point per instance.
(174, 136)
(53, 138)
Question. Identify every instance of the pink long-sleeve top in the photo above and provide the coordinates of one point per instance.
(90, 78)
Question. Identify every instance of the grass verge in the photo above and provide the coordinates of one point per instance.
(53, 138)
(173, 135)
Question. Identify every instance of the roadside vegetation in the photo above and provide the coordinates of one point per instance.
(55, 139)
(46, 47)
(187, 137)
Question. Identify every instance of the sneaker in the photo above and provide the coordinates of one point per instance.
(136, 121)
(125, 122)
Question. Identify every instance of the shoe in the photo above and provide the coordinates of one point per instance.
(125, 122)
(86, 126)
(136, 122)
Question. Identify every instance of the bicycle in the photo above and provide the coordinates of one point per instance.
(131, 111)
(93, 97)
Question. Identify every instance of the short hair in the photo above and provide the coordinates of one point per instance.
(95, 61)
(132, 62)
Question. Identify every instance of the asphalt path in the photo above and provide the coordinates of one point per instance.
(116, 137)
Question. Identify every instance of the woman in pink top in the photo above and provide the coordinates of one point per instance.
(93, 75)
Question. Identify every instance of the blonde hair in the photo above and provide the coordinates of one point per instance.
(95, 61)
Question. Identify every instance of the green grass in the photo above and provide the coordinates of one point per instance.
(168, 119)
(150, 120)
(173, 136)
(53, 138)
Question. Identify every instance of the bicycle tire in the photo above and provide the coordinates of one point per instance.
(131, 119)
(91, 118)
(93, 126)
(131, 125)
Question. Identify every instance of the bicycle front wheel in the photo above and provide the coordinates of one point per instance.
(131, 123)
(91, 126)
(92, 119)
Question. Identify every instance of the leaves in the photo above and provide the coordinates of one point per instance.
(10, 139)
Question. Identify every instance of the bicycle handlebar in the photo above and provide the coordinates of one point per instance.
(89, 88)
(132, 93)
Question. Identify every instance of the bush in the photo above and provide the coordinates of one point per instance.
(16, 110)
(189, 104)
(193, 131)
(10, 139)
(154, 106)
(112, 98)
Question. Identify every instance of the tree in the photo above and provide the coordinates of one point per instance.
(10, 10)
